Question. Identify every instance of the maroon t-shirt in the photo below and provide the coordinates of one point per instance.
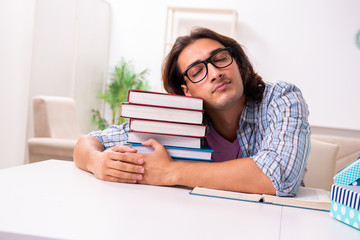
(223, 149)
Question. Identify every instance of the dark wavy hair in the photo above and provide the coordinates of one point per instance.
(172, 77)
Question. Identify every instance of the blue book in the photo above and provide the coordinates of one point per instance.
(198, 154)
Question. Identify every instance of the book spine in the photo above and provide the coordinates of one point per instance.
(128, 96)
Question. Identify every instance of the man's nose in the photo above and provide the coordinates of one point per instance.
(213, 72)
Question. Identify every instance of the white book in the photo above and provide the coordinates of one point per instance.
(168, 128)
(129, 110)
(164, 99)
(166, 140)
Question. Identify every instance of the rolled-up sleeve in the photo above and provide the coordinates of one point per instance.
(113, 135)
(286, 143)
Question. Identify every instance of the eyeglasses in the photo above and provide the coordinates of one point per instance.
(197, 71)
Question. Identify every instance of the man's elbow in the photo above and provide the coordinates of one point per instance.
(267, 187)
(83, 148)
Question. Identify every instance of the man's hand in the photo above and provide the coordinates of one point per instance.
(123, 163)
(118, 164)
(159, 167)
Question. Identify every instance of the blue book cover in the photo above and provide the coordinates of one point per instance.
(199, 154)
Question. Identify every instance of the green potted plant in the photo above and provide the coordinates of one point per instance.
(123, 79)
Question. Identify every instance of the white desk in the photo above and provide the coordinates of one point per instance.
(54, 199)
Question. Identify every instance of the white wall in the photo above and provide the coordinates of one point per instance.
(16, 25)
(310, 43)
(49, 47)
(70, 53)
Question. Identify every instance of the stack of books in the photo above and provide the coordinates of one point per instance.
(345, 195)
(175, 121)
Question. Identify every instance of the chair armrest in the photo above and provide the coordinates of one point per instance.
(349, 148)
(54, 148)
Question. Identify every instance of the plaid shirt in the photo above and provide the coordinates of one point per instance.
(274, 133)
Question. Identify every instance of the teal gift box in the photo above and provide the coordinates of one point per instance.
(345, 204)
(345, 214)
(350, 175)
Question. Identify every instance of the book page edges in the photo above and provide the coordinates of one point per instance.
(163, 107)
(162, 93)
(311, 198)
(226, 194)
(293, 202)
(268, 199)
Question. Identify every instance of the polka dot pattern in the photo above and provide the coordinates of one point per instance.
(345, 214)
(349, 175)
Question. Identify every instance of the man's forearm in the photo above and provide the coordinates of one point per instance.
(241, 175)
(85, 150)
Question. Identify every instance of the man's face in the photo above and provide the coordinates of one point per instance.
(222, 87)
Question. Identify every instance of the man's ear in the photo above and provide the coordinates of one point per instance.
(186, 90)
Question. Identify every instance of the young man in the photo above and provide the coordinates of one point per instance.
(259, 132)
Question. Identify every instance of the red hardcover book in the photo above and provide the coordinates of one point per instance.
(164, 100)
(168, 128)
(140, 111)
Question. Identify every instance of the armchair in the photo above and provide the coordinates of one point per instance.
(328, 155)
(56, 129)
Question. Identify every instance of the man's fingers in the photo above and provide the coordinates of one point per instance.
(119, 180)
(124, 157)
(119, 176)
(123, 149)
(153, 143)
(126, 167)
(124, 175)
(119, 164)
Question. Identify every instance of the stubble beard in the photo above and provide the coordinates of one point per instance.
(224, 102)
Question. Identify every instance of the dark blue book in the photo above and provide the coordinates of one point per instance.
(198, 154)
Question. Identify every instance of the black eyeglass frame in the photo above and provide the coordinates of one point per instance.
(206, 62)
